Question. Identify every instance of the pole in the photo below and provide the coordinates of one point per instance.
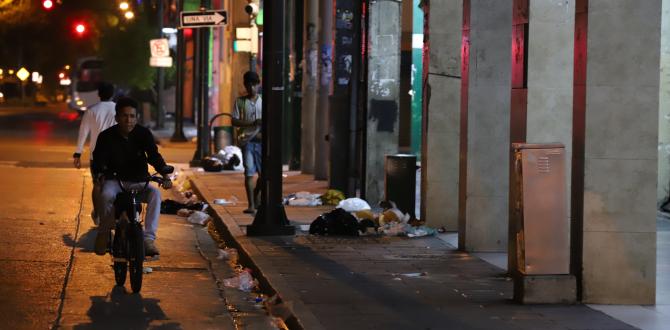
(271, 216)
(160, 111)
(178, 135)
(200, 79)
(321, 146)
(309, 83)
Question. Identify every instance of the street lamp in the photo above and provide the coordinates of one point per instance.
(129, 15)
(124, 6)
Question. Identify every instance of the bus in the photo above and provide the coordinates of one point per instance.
(86, 75)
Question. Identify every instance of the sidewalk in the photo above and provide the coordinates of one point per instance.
(371, 282)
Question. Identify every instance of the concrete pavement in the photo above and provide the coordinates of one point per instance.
(379, 282)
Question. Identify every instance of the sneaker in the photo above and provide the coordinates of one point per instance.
(150, 248)
(101, 243)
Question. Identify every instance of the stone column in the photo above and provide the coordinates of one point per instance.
(622, 85)
(309, 84)
(550, 78)
(441, 159)
(488, 136)
(383, 87)
(663, 187)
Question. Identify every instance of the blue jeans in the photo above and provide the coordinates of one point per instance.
(152, 196)
(251, 154)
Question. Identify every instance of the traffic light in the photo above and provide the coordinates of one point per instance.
(80, 28)
(47, 4)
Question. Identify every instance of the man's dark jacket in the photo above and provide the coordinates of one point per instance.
(126, 159)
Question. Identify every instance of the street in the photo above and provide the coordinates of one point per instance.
(50, 276)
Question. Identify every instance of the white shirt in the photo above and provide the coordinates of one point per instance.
(96, 119)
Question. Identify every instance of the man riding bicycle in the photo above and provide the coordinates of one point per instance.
(123, 153)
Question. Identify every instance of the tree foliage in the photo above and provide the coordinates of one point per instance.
(126, 53)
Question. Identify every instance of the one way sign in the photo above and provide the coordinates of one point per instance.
(191, 19)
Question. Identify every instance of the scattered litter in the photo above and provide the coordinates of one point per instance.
(332, 197)
(303, 198)
(354, 204)
(198, 217)
(184, 212)
(421, 274)
(393, 215)
(169, 206)
(147, 270)
(227, 254)
(278, 308)
(420, 231)
(243, 281)
(394, 229)
(232, 200)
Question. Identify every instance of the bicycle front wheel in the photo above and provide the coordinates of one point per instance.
(136, 256)
(118, 253)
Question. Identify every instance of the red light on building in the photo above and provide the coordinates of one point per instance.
(47, 4)
(188, 33)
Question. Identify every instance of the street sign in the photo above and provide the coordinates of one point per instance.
(23, 74)
(159, 48)
(160, 62)
(205, 18)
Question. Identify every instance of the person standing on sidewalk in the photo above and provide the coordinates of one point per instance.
(247, 115)
(95, 120)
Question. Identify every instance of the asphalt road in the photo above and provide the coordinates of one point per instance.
(48, 274)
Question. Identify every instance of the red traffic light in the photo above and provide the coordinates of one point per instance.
(47, 4)
(80, 28)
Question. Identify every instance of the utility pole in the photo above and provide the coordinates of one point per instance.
(201, 60)
(309, 84)
(178, 135)
(321, 145)
(160, 111)
(271, 216)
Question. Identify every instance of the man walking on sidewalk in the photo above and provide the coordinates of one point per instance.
(247, 115)
(95, 120)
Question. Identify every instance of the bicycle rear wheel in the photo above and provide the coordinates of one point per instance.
(136, 256)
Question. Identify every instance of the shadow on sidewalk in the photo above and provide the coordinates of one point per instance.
(121, 310)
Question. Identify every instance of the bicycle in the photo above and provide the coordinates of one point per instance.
(127, 242)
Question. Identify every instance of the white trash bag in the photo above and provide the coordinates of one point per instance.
(354, 204)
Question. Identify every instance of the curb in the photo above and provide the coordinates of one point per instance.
(250, 256)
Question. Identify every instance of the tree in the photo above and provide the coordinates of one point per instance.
(126, 53)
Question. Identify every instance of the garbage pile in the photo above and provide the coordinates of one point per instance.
(190, 207)
(355, 217)
(305, 198)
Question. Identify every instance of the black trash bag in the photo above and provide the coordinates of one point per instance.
(211, 164)
(231, 163)
(169, 206)
(337, 222)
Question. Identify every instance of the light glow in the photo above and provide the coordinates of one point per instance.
(129, 15)
(124, 6)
